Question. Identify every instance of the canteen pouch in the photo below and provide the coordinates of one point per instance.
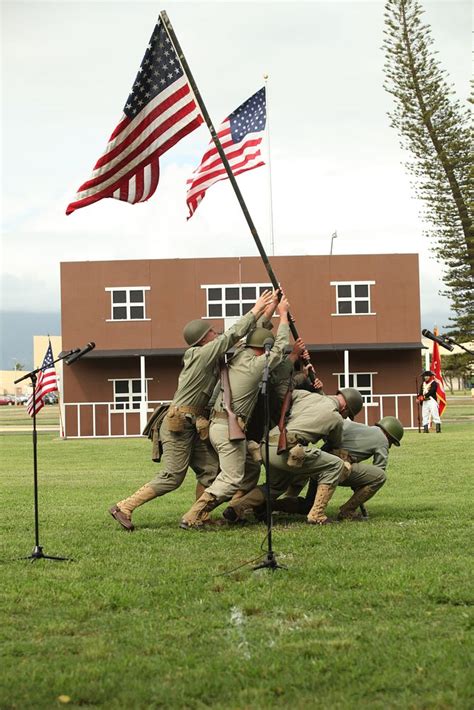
(296, 456)
(202, 427)
(175, 420)
(253, 448)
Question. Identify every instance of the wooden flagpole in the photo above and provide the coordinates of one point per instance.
(172, 36)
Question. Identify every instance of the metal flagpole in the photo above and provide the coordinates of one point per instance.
(172, 36)
(269, 171)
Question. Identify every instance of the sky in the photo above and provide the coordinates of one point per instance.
(336, 164)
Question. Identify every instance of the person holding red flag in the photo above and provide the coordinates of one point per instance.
(432, 394)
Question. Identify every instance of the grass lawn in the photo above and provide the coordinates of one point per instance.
(376, 615)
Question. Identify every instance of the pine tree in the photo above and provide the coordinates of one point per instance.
(434, 130)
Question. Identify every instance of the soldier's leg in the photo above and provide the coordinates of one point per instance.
(177, 449)
(327, 470)
(291, 502)
(365, 480)
(250, 478)
(205, 464)
(425, 411)
(231, 462)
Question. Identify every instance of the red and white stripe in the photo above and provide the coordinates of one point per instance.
(129, 168)
(46, 382)
(242, 156)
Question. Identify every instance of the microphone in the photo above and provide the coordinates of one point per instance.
(77, 355)
(267, 345)
(435, 338)
(67, 353)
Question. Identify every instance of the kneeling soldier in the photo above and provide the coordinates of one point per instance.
(311, 418)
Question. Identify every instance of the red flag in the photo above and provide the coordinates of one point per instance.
(159, 111)
(240, 135)
(46, 382)
(435, 368)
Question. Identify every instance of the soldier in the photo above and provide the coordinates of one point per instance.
(358, 443)
(245, 372)
(181, 444)
(312, 417)
(429, 401)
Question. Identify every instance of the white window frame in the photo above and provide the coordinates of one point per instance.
(128, 305)
(130, 395)
(368, 398)
(240, 301)
(352, 298)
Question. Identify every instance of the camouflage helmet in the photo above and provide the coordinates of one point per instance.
(353, 399)
(195, 330)
(257, 338)
(393, 428)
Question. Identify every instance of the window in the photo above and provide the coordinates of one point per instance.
(232, 300)
(353, 298)
(362, 381)
(128, 394)
(127, 303)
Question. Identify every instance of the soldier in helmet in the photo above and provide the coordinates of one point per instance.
(245, 372)
(311, 418)
(181, 444)
(358, 443)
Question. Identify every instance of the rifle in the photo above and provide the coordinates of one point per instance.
(235, 431)
(285, 408)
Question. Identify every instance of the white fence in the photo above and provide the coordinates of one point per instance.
(93, 420)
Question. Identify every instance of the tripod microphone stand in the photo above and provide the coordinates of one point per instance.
(37, 553)
(270, 561)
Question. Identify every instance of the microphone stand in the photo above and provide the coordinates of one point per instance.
(270, 561)
(37, 553)
(451, 341)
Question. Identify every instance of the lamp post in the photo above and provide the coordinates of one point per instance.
(333, 237)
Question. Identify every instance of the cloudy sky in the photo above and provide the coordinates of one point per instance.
(336, 164)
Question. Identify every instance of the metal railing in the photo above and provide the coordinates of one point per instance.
(95, 420)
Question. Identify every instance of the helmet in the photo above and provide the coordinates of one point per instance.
(195, 330)
(257, 338)
(353, 399)
(393, 428)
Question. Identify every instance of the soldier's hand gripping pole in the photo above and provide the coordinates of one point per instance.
(172, 36)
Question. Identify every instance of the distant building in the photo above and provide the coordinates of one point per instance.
(359, 316)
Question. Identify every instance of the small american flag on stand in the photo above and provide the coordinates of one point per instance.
(159, 111)
(240, 135)
(46, 382)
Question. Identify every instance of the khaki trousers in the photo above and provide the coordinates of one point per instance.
(181, 451)
(364, 474)
(323, 467)
(232, 457)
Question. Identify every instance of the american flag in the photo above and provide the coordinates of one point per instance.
(46, 382)
(159, 111)
(240, 134)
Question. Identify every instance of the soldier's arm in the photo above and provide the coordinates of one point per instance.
(334, 437)
(381, 457)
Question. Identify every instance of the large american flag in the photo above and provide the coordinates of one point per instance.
(46, 382)
(240, 135)
(159, 111)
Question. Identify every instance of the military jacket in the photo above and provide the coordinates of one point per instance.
(201, 365)
(314, 416)
(363, 441)
(246, 370)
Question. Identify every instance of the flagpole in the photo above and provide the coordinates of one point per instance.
(172, 36)
(269, 171)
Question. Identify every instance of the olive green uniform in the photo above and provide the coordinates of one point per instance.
(245, 374)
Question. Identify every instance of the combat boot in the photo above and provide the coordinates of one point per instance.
(348, 511)
(426, 429)
(196, 515)
(438, 428)
(206, 518)
(317, 514)
(122, 511)
(250, 501)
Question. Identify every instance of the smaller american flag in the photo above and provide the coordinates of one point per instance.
(240, 135)
(46, 382)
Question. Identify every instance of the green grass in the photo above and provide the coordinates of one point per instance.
(376, 615)
(17, 416)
